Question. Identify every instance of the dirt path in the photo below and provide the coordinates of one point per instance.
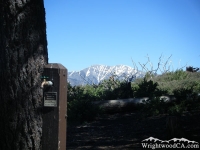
(125, 131)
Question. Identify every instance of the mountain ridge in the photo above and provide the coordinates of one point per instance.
(97, 73)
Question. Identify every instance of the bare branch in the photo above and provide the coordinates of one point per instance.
(90, 83)
(144, 67)
(164, 67)
(135, 66)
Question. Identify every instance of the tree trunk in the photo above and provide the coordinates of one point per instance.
(23, 53)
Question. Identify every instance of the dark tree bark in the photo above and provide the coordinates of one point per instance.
(23, 53)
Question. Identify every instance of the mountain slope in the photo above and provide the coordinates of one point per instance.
(97, 73)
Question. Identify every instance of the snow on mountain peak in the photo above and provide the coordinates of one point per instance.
(97, 73)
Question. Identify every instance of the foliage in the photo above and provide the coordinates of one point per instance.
(81, 111)
(184, 105)
(183, 93)
(148, 89)
(177, 75)
(79, 106)
(179, 79)
(154, 106)
(185, 86)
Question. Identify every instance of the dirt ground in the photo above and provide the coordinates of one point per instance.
(125, 131)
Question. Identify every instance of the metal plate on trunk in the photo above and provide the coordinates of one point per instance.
(50, 99)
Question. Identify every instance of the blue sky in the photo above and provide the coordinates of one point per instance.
(82, 33)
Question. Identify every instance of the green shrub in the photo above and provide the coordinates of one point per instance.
(178, 107)
(79, 105)
(154, 106)
(184, 105)
(178, 79)
(183, 93)
(123, 90)
(185, 87)
(82, 111)
(148, 89)
(171, 76)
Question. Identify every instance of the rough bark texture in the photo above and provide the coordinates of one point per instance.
(23, 53)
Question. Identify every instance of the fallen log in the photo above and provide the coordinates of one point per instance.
(119, 105)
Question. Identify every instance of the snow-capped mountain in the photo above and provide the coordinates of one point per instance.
(97, 73)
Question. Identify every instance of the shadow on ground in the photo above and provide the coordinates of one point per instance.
(125, 131)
